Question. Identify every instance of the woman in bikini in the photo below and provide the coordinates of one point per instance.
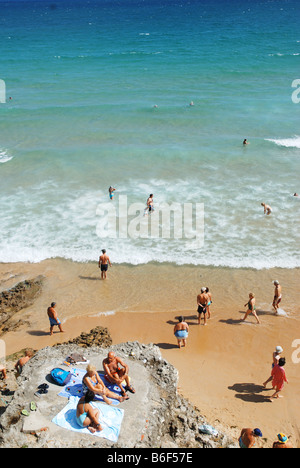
(251, 308)
(91, 381)
(86, 415)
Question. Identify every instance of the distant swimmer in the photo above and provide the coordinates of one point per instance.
(277, 296)
(251, 308)
(296, 195)
(267, 208)
(111, 191)
(150, 206)
(245, 142)
(191, 103)
(104, 261)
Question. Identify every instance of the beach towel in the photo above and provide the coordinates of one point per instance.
(74, 387)
(110, 419)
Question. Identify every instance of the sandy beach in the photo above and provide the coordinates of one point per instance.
(221, 370)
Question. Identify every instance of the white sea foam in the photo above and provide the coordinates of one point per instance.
(286, 142)
(63, 224)
(4, 156)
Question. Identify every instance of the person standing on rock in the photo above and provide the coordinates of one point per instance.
(54, 320)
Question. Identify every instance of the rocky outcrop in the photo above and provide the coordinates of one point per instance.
(155, 416)
(15, 299)
(99, 336)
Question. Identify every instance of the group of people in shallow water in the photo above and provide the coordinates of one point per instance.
(204, 301)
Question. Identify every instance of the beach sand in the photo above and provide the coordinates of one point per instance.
(221, 370)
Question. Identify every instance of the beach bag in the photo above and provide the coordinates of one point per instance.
(60, 377)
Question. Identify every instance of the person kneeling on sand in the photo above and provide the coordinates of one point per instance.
(248, 437)
(116, 372)
(86, 415)
(91, 381)
(181, 331)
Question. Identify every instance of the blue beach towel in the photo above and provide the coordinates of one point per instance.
(74, 386)
(110, 419)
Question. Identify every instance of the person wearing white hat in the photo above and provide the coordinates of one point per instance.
(276, 357)
(277, 296)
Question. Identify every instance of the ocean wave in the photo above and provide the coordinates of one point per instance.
(4, 156)
(286, 142)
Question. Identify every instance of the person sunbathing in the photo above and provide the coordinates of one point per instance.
(116, 372)
(86, 415)
(91, 381)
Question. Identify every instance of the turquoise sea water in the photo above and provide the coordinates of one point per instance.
(85, 77)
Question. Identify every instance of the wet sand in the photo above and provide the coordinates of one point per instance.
(221, 370)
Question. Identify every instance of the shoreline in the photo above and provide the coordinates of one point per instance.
(224, 364)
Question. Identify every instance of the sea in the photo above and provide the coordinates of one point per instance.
(150, 97)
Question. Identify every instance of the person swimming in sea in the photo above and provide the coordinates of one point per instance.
(111, 191)
(267, 208)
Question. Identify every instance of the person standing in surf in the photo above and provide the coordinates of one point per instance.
(104, 261)
(277, 296)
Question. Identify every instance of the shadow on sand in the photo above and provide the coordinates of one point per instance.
(250, 392)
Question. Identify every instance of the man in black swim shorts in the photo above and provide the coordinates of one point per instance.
(103, 263)
(202, 301)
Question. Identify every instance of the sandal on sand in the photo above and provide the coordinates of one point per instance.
(130, 388)
(25, 412)
(33, 406)
(43, 386)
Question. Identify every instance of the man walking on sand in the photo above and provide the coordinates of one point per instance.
(277, 296)
(54, 320)
(103, 263)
